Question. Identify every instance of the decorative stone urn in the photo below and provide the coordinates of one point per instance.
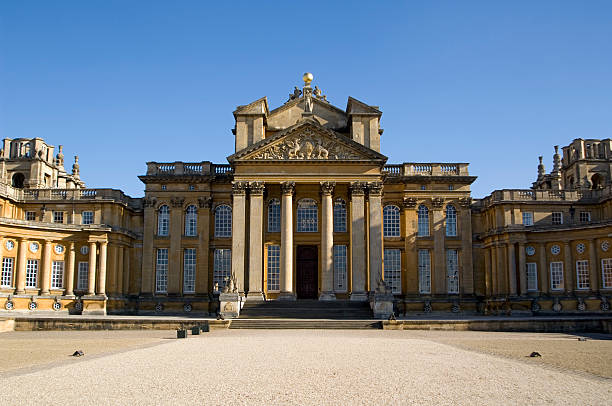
(382, 304)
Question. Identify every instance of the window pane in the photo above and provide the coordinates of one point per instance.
(83, 276)
(189, 270)
(161, 271)
(274, 216)
(424, 271)
(87, 217)
(451, 221)
(339, 216)
(163, 221)
(222, 267)
(452, 271)
(556, 275)
(307, 216)
(393, 269)
(57, 275)
(273, 268)
(582, 275)
(532, 276)
(423, 221)
(223, 221)
(527, 218)
(31, 273)
(606, 272)
(191, 221)
(7, 272)
(340, 268)
(391, 221)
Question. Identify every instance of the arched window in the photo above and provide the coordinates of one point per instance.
(391, 221)
(191, 221)
(423, 220)
(274, 216)
(307, 216)
(163, 220)
(451, 221)
(18, 180)
(223, 221)
(339, 216)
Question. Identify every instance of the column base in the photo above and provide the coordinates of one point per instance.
(255, 297)
(289, 296)
(327, 296)
(359, 297)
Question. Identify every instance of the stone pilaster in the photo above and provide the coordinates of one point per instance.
(255, 291)
(20, 277)
(522, 270)
(375, 191)
(593, 266)
(358, 247)
(410, 281)
(543, 269)
(327, 242)
(204, 203)
(465, 230)
(102, 271)
(119, 270)
(126, 269)
(69, 280)
(511, 269)
(239, 233)
(92, 269)
(286, 276)
(45, 275)
(439, 279)
(149, 232)
(569, 268)
(175, 252)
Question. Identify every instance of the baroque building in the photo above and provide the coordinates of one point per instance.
(306, 208)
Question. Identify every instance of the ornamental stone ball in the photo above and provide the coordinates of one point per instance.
(307, 78)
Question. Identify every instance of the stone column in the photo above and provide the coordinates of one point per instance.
(511, 269)
(411, 281)
(119, 270)
(92, 269)
(522, 270)
(238, 233)
(327, 242)
(205, 204)
(175, 252)
(465, 231)
(487, 266)
(70, 271)
(439, 278)
(569, 268)
(20, 277)
(149, 232)
(255, 291)
(286, 277)
(102, 271)
(494, 269)
(543, 269)
(376, 241)
(593, 266)
(358, 248)
(126, 270)
(45, 275)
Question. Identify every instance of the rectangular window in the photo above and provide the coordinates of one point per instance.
(30, 216)
(424, 272)
(31, 273)
(83, 276)
(189, 270)
(452, 271)
(222, 267)
(582, 274)
(274, 216)
(585, 216)
(273, 268)
(339, 216)
(87, 217)
(532, 277)
(557, 218)
(161, 271)
(7, 272)
(556, 275)
(527, 218)
(393, 269)
(58, 217)
(606, 272)
(57, 275)
(340, 268)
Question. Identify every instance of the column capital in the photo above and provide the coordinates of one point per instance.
(256, 188)
(149, 202)
(288, 188)
(409, 202)
(465, 202)
(327, 188)
(375, 189)
(437, 202)
(205, 202)
(239, 188)
(357, 188)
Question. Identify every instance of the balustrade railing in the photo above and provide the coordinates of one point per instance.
(426, 169)
(187, 168)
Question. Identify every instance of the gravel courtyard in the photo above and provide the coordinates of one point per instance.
(302, 367)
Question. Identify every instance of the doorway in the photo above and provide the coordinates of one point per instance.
(307, 267)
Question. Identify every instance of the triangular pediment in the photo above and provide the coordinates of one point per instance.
(307, 141)
(328, 115)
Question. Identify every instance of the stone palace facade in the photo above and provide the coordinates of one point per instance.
(307, 208)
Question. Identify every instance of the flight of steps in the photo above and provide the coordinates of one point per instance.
(305, 314)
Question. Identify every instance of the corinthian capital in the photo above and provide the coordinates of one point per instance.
(239, 188)
(327, 188)
(287, 188)
(375, 188)
(256, 188)
(357, 188)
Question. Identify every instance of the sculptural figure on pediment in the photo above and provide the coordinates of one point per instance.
(321, 152)
(296, 93)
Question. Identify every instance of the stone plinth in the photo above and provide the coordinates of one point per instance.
(229, 305)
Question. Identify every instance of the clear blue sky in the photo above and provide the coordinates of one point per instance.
(124, 82)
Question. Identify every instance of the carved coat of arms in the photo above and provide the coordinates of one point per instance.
(306, 145)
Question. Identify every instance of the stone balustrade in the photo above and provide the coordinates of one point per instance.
(204, 168)
(524, 195)
(426, 169)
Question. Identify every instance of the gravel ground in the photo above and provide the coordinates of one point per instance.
(300, 367)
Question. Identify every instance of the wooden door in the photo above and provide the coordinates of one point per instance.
(307, 283)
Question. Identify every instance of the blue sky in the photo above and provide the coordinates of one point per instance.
(121, 83)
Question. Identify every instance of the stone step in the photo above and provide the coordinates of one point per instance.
(304, 324)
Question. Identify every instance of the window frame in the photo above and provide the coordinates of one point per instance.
(533, 279)
(527, 215)
(559, 221)
(222, 266)
(452, 275)
(422, 221)
(163, 221)
(191, 221)
(161, 270)
(392, 269)
(584, 216)
(274, 216)
(582, 275)
(58, 215)
(273, 268)
(452, 216)
(391, 221)
(31, 214)
(606, 273)
(424, 268)
(87, 217)
(554, 273)
(340, 261)
(223, 221)
(340, 216)
(31, 274)
(6, 277)
(307, 217)
(57, 274)
(83, 275)
(190, 263)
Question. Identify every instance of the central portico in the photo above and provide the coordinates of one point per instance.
(307, 186)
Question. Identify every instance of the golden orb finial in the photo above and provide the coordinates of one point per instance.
(307, 78)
